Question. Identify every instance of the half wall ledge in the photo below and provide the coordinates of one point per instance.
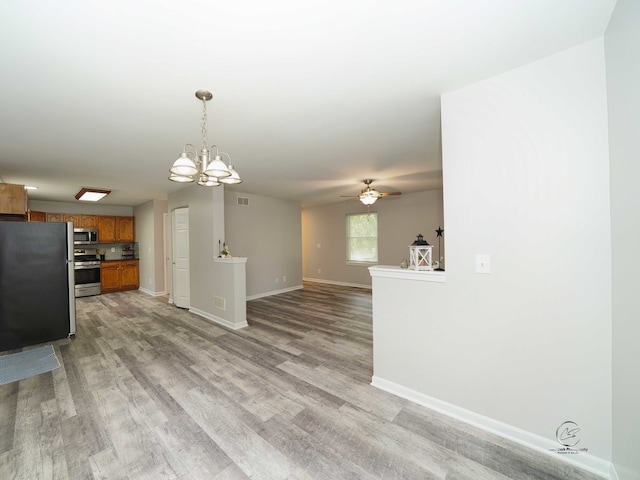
(390, 271)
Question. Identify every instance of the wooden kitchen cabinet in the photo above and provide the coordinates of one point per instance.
(81, 221)
(13, 199)
(55, 217)
(115, 229)
(72, 217)
(89, 221)
(109, 277)
(124, 229)
(35, 216)
(129, 279)
(117, 276)
(106, 229)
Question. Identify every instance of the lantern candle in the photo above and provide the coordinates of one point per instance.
(420, 254)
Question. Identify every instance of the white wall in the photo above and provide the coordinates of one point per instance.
(150, 236)
(526, 177)
(267, 232)
(206, 227)
(400, 219)
(526, 181)
(622, 43)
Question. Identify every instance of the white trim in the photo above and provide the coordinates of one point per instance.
(153, 294)
(220, 321)
(230, 259)
(333, 282)
(389, 271)
(274, 292)
(613, 475)
(586, 461)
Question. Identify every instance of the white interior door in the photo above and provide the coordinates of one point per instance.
(166, 264)
(180, 223)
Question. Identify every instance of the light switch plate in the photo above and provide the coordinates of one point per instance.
(483, 264)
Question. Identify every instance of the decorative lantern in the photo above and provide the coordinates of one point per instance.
(420, 254)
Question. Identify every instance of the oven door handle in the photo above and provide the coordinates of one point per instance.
(86, 267)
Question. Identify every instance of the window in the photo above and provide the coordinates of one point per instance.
(362, 237)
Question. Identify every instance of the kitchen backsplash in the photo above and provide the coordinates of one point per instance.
(119, 251)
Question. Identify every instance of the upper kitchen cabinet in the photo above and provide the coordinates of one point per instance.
(106, 229)
(35, 216)
(124, 229)
(89, 221)
(72, 217)
(55, 217)
(115, 229)
(82, 221)
(13, 199)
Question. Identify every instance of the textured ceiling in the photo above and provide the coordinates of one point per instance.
(310, 98)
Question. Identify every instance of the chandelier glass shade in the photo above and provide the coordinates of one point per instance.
(368, 199)
(197, 166)
(369, 195)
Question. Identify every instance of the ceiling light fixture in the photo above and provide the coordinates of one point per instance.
(192, 165)
(87, 194)
(369, 197)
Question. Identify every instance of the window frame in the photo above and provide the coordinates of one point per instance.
(348, 238)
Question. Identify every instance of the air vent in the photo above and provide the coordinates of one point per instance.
(220, 303)
(243, 201)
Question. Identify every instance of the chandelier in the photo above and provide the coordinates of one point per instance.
(192, 165)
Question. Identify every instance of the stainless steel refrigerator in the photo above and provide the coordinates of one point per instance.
(37, 288)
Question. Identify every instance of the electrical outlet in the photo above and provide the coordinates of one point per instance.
(284, 279)
(277, 279)
(319, 271)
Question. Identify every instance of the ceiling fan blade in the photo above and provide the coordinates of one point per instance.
(350, 196)
(388, 194)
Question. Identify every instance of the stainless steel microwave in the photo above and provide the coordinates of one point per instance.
(85, 236)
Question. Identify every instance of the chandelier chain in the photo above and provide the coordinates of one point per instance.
(203, 125)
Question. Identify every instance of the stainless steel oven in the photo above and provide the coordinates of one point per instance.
(86, 267)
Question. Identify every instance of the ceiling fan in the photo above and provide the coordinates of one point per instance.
(369, 195)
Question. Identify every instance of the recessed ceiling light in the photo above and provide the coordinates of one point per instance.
(91, 194)
(30, 187)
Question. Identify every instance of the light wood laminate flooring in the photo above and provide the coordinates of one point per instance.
(150, 391)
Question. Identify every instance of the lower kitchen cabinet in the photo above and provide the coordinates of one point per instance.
(116, 276)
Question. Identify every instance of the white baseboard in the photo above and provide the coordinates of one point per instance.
(274, 292)
(332, 282)
(153, 294)
(220, 321)
(613, 475)
(583, 460)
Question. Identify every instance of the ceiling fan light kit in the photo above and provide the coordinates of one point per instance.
(192, 165)
(369, 195)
